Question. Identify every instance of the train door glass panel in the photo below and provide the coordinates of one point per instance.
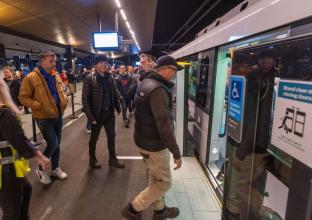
(202, 103)
(202, 82)
(199, 96)
(259, 176)
(217, 155)
(191, 93)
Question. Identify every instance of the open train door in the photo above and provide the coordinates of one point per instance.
(269, 175)
(181, 106)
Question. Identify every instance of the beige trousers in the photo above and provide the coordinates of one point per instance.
(158, 164)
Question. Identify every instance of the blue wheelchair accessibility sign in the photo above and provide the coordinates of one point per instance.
(236, 107)
(236, 90)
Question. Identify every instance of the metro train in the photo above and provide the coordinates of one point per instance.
(230, 48)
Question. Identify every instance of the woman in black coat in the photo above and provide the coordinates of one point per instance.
(15, 191)
(14, 85)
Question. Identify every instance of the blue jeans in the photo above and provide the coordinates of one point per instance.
(51, 130)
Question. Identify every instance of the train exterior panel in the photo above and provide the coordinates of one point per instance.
(259, 17)
(278, 31)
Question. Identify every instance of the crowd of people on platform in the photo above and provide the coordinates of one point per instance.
(106, 90)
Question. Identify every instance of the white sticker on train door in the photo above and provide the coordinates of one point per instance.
(292, 123)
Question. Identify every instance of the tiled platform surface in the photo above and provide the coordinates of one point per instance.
(192, 194)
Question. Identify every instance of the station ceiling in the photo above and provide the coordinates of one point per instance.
(71, 22)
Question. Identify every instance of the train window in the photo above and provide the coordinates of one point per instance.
(192, 80)
(244, 6)
(202, 82)
(218, 22)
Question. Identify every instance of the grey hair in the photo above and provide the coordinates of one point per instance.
(5, 97)
(150, 64)
(46, 54)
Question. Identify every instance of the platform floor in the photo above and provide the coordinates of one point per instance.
(101, 194)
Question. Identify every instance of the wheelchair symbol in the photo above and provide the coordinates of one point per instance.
(235, 94)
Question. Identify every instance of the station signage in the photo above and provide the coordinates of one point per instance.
(292, 123)
(236, 107)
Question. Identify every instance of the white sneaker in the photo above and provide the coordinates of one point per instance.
(43, 177)
(58, 173)
(88, 131)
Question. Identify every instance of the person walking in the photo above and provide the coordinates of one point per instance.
(13, 84)
(124, 82)
(42, 91)
(99, 99)
(147, 65)
(154, 136)
(132, 89)
(15, 149)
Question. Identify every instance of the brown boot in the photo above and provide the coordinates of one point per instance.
(126, 213)
(170, 212)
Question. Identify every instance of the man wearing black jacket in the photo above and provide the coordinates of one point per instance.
(154, 135)
(99, 99)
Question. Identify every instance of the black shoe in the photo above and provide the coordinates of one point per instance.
(220, 177)
(115, 163)
(228, 215)
(169, 212)
(127, 214)
(95, 164)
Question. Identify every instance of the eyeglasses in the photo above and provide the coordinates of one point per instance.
(176, 70)
(143, 56)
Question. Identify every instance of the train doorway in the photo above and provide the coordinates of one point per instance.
(267, 142)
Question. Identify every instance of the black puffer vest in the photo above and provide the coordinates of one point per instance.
(146, 134)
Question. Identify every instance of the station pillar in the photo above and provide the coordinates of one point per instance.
(69, 55)
(2, 55)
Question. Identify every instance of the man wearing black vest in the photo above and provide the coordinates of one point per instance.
(154, 135)
(99, 99)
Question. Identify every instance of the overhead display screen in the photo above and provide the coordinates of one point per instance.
(106, 41)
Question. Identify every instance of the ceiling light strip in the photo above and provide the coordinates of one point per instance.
(127, 23)
(118, 3)
(123, 14)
